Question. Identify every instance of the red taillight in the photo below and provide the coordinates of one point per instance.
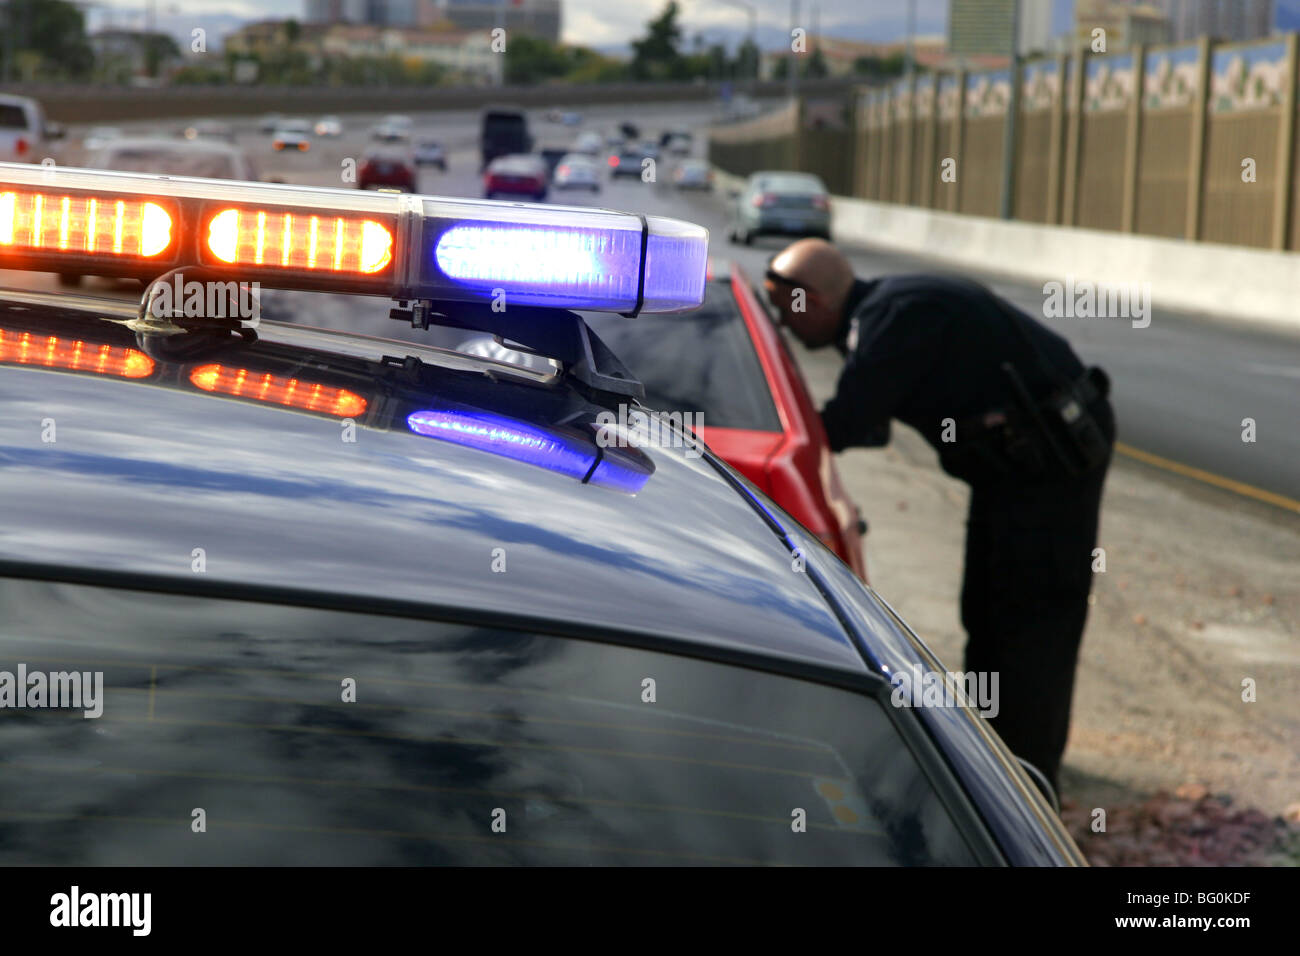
(277, 390)
(764, 199)
(49, 351)
(563, 171)
(303, 147)
(20, 146)
(820, 202)
(613, 161)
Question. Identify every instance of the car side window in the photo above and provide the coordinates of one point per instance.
(184, 730)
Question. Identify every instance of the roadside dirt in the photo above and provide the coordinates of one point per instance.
(1201, 591)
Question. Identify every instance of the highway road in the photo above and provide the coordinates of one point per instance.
(1182, 386)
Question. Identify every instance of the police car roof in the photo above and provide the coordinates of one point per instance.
(142, 473)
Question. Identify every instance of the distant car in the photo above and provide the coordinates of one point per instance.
(567, 117)
(292, 136)
(577, 171)
(521, 174)
(388, 168)
(205, 159)
(209, 129)
(23, 129)
(97, 137)
(429, 152)
(552, 156)
(269, 123)
(626, 162)
(589, 142)
(693, 174)
(329, 126)
(781, 203)
(391, 133)
(677, 142)
(503, 132)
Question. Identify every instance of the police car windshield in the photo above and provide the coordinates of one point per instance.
(700, 362)
(447, 744)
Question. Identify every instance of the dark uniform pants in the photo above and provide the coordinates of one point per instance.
(1025, 600)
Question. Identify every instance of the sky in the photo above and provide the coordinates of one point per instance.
(601, 23)
(610, 24)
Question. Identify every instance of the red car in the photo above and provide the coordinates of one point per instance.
(727, 361)
(391, 168)
(519, 174)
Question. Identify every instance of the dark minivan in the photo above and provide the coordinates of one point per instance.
(505, 131)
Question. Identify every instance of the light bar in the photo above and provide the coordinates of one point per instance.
(74, 355)
(348, 240)
(297, 393)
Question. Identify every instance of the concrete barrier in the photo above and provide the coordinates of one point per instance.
(104, 104)
(1223, 282)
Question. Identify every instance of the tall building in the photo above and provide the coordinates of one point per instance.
(1222, 19)
(983, 27)
(1126, 23)
(538, 17)
(1035, 26)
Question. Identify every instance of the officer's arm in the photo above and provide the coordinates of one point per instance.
(877, 378)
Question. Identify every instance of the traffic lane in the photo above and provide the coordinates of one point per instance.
(1182, 386)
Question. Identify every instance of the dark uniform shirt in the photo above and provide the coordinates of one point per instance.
(923, 349)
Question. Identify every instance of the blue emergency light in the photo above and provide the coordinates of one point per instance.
(572, 454)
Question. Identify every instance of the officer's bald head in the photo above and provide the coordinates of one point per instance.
(809, 283)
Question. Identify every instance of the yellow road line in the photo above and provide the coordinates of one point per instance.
(1210, 478)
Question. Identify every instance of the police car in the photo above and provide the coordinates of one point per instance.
(271, 594)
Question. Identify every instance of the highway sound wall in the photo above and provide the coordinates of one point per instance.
(1196, 141)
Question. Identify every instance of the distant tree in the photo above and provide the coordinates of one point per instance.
(874, 66)
(531, 59)
(815, 66)
(158, 49)
(54, 30)
(656, 56)
(292, 31)
(747, 60)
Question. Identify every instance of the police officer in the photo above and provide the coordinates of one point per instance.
(1011, 411)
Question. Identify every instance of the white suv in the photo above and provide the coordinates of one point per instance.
(23, 130)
